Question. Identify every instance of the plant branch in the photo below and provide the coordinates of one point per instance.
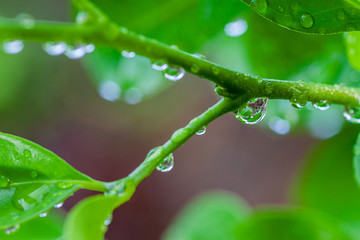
(234, 82)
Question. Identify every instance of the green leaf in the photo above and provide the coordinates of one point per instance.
(327, 181)
(87, 220)
(214, 215)
(357, 160)
(352, 41)
(33, 180)
(319, 17)
(292, 223)
(46, 228)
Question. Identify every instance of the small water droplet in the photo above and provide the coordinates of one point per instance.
(202, 131)
(59, 205)
(298, 99)
(236, 28)
(322, 105)
(12, 229)
(133, 96)
(26, 20)
(352, 114)
(75, 52)
(280, 9)
(54, 48)
(64, 185)
(152, 151)
(159, 65)
(13, 47)
(108, 220)
(215, 70)
(4, 181)
(195, 68)
(306, 20)
(110, 91)
(89, 48)
(167, 164)
(174, 73)
(33, 174)
(199, 56)
(253, 112)
(259, 5)
(27, 153)
(128, 54)
(340, 15)
(82, 18)
(43, 214)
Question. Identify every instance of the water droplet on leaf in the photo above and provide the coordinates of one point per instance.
(27, 153)
(195, 68)
(201, 131)
(108, 220)
(322, 105)
(59, 205)
(43, 214)
(167, 164)
(306, 20)
(253, 112)
(82, 18)
(215, 70)
(12, 229)
(64, 185)
(13, 47)
(75, 52)
(352, 114)
(127, 54)
(174, 73)
(54, 48)
(259, 5)
(340, 15)
(159, 65)
(4, 181)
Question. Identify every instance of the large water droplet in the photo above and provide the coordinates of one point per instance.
(254, 112)
(306, 20)
(133, 96)
(322, 105)
(159, 65)
(42, 215)
(174, 73)
(108, 220)
(167, 164)
(75, 52)
(236, 28)
(54, 48)
(4, 181)
(13, 47)
(12, 229)
(259, 5)
(26, 20)
(202, 131)
(109, 91)
(352, 114)
(128, 54)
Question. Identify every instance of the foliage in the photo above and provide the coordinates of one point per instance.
(321, 69)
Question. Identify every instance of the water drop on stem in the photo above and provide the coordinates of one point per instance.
(202, 131)
(174, 73)
(167, 164)
(253, 112)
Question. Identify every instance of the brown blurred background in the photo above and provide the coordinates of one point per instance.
(55, 104)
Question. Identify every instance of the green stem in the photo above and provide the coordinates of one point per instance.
(232, 81)
(180, 136)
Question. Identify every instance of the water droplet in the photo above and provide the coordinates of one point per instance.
(64, 185)
(128, 54)
(110, 91)
(254, 112)
(236, 28)
(195, 68)
(152, 151)
(174, 73)
(133, 96)
(306, 20)
(75, 52)
(280, 9)
(159, 65)
(108, 220)
(167, 164)
(299, 99)
(4, 181)
(352, 114)
(33, 174)
(43, 214)
(12, 229)
(201, 131)
(279, 126)
(340, 15)
(89, 48)
(54, 48)
(27, 153)
(59, 205)
(13, 47)
(26, 20)
(82, 18)
(215, 70)
(322, 105)
(259, 5)
(199, 56)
